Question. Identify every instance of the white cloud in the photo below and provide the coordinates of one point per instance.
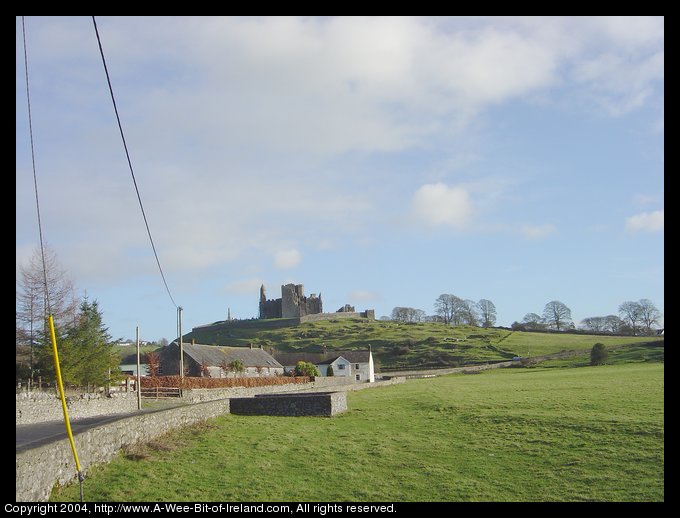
(440, 204)
(645, 199)
(646, 221)
(219, 119)
(286, 259)
(537, 231)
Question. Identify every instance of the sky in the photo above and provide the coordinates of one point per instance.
(380, 162)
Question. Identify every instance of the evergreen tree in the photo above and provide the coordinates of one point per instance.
(86, 353)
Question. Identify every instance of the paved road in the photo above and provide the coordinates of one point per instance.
(34, 435)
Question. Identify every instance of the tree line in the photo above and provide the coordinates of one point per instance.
(634, 318)
(452, 310)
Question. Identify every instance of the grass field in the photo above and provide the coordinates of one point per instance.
(397, 345)
(539, 434)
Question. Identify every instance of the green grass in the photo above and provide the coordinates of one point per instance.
(633, 353)
(398, 345)
(540, 434)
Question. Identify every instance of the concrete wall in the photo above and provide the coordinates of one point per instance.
(38, 469)
(325, 404)
(38, 407)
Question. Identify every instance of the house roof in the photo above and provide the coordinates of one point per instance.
(322, 358)
(216, 355)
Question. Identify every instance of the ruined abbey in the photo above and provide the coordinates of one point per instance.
(292, 303)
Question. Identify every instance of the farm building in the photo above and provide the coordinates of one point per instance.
(216, 361)
(357, 365)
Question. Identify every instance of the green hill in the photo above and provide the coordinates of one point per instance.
(398, 345)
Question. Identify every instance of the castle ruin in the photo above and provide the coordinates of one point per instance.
(292, 304)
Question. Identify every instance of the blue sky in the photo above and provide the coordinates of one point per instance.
(379, 161)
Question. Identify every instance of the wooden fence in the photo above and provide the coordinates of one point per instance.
(161, 392)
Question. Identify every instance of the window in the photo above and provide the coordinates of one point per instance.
(358, 377)
(341, 366)
(356, 366)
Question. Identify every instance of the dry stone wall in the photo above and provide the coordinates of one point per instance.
(38, 407)
(324, 404)
(38, 469)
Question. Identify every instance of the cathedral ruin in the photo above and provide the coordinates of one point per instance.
(292, 304)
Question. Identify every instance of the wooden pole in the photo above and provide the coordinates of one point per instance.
(181, 346)
(139, 380)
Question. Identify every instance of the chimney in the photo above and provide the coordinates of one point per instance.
(193, 341)
(251, 345)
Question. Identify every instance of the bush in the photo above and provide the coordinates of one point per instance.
(598, 354)
(330, 372)
(306, 369)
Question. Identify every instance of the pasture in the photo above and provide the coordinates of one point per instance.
(539, 434)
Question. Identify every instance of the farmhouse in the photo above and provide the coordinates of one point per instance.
(217, 361)
(356, 365)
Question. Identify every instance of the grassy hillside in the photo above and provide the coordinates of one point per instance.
(398, 345)
(557, 434)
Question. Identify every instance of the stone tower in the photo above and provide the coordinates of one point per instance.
(295, 304)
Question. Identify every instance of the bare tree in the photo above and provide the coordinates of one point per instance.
(612, 323)
(32, 302)
(631, 314)
(444, 306)
(487, 312)
(533, 321)
(402, 314)
(468, 310)
(596, 324)
(557, 314)
(649, 314)
(34, 284)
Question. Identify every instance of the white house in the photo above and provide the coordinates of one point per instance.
(357, 365)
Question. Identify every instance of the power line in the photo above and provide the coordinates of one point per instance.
(127, 154)
(49, 319)
(35, 177)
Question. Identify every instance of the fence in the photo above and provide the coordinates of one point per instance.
(161, 392)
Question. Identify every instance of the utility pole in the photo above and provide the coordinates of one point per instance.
(181, 345)
(139, 380)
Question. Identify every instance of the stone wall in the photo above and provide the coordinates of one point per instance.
(320, 383)
(340, 315)
(38, 407)
(324, 404)
(199, 395)
(38, 469)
